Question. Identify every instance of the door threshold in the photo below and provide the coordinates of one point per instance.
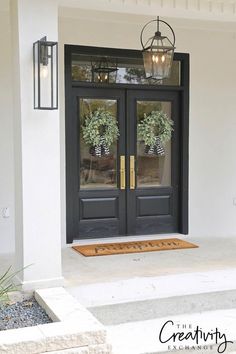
(125, 239)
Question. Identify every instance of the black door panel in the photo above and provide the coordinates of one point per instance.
(101, 202)
(154, 201)
(148, 202)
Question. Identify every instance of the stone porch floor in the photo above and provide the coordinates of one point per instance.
(138, 291)
(211, 267)
(213, 254)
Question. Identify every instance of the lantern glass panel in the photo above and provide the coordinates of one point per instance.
(36, 73)
(158, 58)
(161, 63)
(103, 77)
(45, 75)
(147, 61)
(104, 70)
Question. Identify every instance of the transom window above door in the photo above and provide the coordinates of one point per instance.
(117, 70)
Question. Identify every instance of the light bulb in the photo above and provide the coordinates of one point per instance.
(155, 58)
(163, 58)
(44, 71)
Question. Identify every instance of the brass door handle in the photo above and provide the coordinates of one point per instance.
(122, 172)
(132, 172)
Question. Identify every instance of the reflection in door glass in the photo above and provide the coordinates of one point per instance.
(129, 70)
(153, 167)
(97, 163)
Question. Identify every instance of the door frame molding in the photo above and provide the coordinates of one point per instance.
(71, 169)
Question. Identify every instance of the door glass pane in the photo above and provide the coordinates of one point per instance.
(129, 71)
(98, 163)
(153, 165)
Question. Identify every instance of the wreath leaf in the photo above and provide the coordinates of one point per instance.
(156, 124)
(100, 127)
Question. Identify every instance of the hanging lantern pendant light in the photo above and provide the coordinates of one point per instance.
(158, 52)
(102, 69)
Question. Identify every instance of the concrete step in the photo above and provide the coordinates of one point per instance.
(158, 287)
(133, 310)
(144, 298)
(161, 307)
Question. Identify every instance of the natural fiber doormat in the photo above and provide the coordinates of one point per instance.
(105, 249)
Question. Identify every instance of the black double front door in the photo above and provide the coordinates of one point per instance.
(126, 189)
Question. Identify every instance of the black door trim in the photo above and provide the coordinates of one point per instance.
(71, 168)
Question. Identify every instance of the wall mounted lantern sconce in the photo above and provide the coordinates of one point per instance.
(102, 70)
(45, 61)
(158, 52)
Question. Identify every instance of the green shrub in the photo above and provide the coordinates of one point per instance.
(7, 285)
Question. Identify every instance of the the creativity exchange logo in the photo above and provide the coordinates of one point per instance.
(192, 338)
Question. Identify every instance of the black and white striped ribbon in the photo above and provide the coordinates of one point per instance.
(157, 148)
(103, 149)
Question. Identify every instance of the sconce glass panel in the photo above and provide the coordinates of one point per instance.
(45, 56)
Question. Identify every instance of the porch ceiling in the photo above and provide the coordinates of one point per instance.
(214, 10)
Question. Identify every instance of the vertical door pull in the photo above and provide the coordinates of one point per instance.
(132, 172)
(122, 172)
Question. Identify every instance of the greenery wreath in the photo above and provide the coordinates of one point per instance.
(155, 129)
(100, 131)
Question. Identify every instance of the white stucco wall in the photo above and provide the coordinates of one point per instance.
(6, 136)
(212, 114)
